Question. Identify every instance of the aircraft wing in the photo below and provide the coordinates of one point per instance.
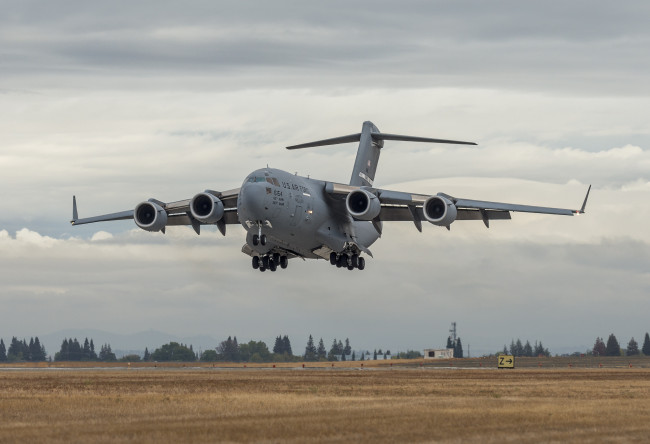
(401, 206)
(178, 212)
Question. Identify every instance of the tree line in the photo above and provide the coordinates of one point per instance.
(22, 351)
(518, 349)
(612, 348)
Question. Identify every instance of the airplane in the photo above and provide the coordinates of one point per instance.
(288, 216)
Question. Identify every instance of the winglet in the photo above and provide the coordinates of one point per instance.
(584, 204)
(75, 215)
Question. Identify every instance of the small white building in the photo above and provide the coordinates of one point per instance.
(438, 353)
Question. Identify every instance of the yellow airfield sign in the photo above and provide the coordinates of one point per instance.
(506, 361)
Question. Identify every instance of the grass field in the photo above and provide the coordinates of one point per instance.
(324, 405)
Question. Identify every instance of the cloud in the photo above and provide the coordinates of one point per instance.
(468, 275)
(287, 44)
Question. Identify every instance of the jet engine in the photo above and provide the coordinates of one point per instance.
(439, 211)
(206, 208)
(150, 216)
(363, 205)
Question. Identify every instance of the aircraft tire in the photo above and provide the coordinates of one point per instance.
(262, 269)
(276, 258)
(284, 262)
(263, 239)
(272, 266)
(333, 258)
(265, 261)
(350, 267)
(256, 239)
(256, 262)
(362, 263)
(355, 260)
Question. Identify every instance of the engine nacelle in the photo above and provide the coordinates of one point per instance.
(206, 208)
(150, 216)
(363, 205)
(439, 211)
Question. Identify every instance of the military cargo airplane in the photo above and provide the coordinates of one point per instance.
(288, 216)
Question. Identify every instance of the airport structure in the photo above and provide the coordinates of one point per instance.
(438, 353)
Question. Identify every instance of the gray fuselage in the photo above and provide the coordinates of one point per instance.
(297, 216)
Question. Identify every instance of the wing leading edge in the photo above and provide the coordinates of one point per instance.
(401, 206)
(178, 213)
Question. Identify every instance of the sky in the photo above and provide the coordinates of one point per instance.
(119, 102)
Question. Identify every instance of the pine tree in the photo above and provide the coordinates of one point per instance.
(334, 350)
(354, 358)
(612, 348)
(30, 348)
(106, 354)
(3, 351)
(632, 348)
(599, 348)
(278, 348)
(528, 350)
(458, 349)
(450, 343)
(321, 353)
(347, 350)
(146, 356)
(374, 356)
(310, 350)
(505, 349)
(363, 356)
(286, 344)
(646, 345)
(86, 349)
(36, 351)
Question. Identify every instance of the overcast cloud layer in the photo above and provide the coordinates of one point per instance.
(120, 102)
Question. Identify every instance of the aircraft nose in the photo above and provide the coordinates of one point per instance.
(254, 198)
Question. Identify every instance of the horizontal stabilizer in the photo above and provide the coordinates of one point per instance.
(384, 136)
(334, 141)
(376, 137)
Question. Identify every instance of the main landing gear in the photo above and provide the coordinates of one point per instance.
(349, 261)
(270, 262)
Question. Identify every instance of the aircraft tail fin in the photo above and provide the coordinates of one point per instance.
(371, 140)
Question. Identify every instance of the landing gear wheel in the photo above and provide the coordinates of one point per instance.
(263, 239)
(284, 262)
(276, 258)
(333, 258)
(265, 261)
(272, 266)
(256, 262)
(354, 261)
(350, 267)
(256, 239)
(362, 263)
(262, 269)
(342, 261)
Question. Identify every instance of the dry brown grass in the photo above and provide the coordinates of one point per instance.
(272, 405)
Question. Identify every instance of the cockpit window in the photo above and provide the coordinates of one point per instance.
(276, 182)
(257, 179)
